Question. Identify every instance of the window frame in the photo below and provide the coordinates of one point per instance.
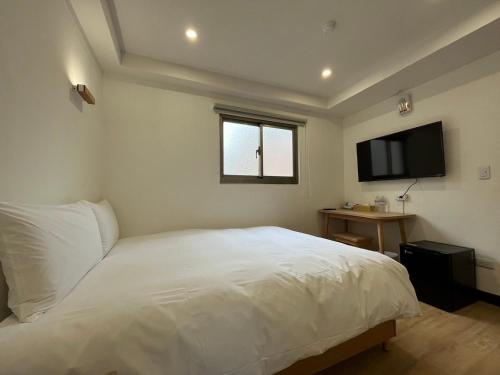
(243, 179)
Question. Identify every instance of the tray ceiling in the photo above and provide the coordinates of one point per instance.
(274, 51)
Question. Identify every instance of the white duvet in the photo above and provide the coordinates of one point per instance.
(233, 301)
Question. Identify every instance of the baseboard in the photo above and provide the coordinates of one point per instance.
(488, 297)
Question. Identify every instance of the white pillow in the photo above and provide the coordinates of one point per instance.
(108, 225)
(45, 251)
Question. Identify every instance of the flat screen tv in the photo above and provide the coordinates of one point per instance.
(411, 153)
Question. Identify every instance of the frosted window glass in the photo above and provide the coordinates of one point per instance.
(240, 145)
(278, 152)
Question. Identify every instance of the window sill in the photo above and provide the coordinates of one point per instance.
(259, 180)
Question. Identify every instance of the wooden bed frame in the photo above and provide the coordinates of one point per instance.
(379, 334)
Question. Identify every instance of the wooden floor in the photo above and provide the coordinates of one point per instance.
(463, 343)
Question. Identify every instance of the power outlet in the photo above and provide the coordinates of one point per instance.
(402, 198)
(484, 173)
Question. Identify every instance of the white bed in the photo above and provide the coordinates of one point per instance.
(233, 301)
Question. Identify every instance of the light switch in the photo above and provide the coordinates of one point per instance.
(484, 173)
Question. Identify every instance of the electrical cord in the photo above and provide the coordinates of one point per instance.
(409, 187)
(406, 191)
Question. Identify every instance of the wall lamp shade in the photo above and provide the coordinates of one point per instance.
(85, 93)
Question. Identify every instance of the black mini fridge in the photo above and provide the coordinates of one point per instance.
(443, 275)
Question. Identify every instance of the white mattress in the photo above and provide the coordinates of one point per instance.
(233, 301)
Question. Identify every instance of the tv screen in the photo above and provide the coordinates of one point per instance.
(412, 153)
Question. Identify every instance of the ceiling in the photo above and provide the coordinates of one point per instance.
(274, 50)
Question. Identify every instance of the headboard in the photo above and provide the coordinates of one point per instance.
(4, 310)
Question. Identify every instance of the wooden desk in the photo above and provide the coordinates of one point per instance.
(379, 218)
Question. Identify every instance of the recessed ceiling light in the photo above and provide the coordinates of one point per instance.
(191, 34)
(326, 73)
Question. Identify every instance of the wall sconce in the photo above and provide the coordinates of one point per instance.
(84, 93)
(404, 105)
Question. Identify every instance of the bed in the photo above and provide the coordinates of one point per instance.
(234, 301)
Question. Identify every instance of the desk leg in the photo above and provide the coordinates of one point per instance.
(402, 230)
(325, 226)
(380, 230)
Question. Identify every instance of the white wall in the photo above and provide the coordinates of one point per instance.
(458, 208)
(162, 167)
(50, 144)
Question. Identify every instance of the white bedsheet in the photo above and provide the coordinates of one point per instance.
(233, 301)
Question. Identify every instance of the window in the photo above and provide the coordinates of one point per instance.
(258, 152)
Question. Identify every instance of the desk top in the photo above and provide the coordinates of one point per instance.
(368, 214)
